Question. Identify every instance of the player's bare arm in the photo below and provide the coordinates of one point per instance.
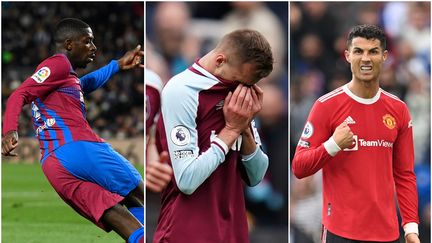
(248, 142)
(343, 136)
(412, 238)
(9, 143)
(158, 173)
(237, 112)
(131, 59)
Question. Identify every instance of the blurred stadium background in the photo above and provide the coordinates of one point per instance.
(317, 65)
(31, 210)
(178, 33)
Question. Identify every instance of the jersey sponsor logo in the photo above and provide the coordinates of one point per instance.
(35, 111)
(81, 97)
(349, 120)
(255, 133)
(220, 105)
(353, 147)
(375, 143)
(304, 144)
(307, 131)
(237, 144)
(389, 121)
(361, 142)
(181, 154)
(41, 75)
(180, 135)
(48, 123)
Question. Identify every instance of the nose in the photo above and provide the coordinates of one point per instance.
(365, 57)
(93, 47)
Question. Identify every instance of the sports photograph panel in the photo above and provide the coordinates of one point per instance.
(360, 122)
(216, 121)
(72, 122)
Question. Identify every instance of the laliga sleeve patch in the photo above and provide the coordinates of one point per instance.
(41, 75)
(180, 135)
(307, 131)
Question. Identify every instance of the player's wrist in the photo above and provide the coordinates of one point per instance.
(331, 146)
(235, 132)
(411, 228)
(221, 144)
(228, 136)
(13, 134)
(247, 157)
(247, 132)
(120, 64)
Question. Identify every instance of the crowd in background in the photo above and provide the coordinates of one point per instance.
(317, 65)
(114, 111)
(177, 34)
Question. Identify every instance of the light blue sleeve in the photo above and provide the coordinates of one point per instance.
(99, 77)
(256, 165)
(179, 111)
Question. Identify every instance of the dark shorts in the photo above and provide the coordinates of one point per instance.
(329, 237)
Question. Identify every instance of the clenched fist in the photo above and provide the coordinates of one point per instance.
(343, 136)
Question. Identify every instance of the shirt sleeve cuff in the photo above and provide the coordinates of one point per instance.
(250, 156)
(221, 144)
(115, 65)
(331, 146)
(411, 228)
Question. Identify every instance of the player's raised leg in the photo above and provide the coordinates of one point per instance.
(134, 201)
(92, 201)
(121, 221)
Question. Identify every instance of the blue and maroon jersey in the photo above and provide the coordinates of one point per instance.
(56, 95)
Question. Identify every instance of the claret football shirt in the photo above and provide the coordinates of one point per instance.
(204, 202)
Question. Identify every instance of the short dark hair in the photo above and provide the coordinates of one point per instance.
(69, 28)
(250, 46)
(368, 32)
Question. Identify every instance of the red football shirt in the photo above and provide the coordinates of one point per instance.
(359, 183)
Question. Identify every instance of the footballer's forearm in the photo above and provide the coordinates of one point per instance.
(14, 106)
(190, 173)
(228, 137)
(256, 165)
(248, 145)
(307, 161)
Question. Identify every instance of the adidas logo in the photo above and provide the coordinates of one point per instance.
(349, 120)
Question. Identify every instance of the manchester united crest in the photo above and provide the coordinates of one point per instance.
(389, 121)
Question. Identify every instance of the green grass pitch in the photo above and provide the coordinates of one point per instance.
(32, 212)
